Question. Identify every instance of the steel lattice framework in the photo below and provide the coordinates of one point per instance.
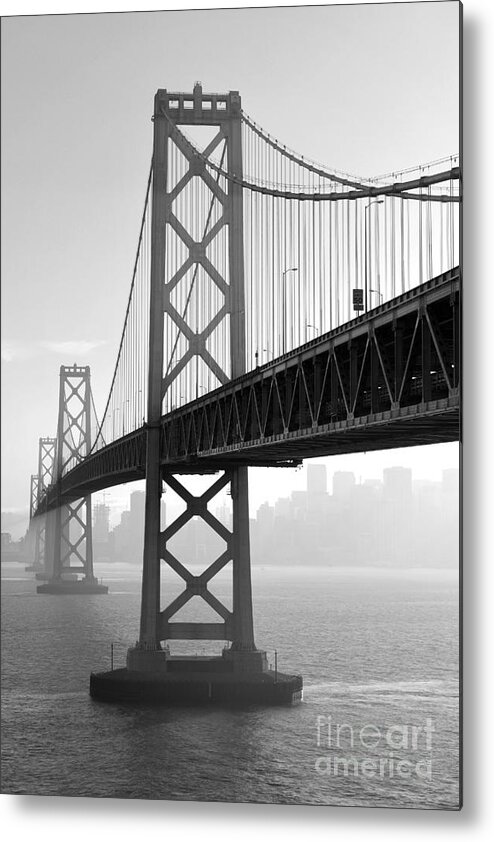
(196, 255)
(358, 388)
(72, 536)
(39, 485)
(34, 496)
(197, 585)
(34, 522)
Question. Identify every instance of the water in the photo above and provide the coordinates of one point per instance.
(377, 648)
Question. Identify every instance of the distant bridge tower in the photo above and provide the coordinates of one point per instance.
(34, 523)
(224, 113)
(68, 541)
(33, 497)
(39, 484)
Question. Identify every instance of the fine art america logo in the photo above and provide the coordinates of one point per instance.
(397, 751)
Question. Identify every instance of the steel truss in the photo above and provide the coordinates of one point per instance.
(196, 255)
(197, 506)
(360, 387)
(39, 485)
(72, 529)
(34, 521)
(364, 386)
(33, 496)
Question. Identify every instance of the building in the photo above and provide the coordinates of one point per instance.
(397, 485)
(343, 484)
(451, 482)
(101, 523)
(102, 549)
(317, 482)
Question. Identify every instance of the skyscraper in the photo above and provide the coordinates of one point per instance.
(343, 483)
(316, 479)
(101, 532)
(101, 523)
(397, 485)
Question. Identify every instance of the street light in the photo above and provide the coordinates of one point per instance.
(313, 328)
(378, 293)
(123, 414)
(138, 407)
(374, 202)
(256, 355)
(173, 406)
(294, 269)
(116, 409)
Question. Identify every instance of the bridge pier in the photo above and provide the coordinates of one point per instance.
(241, 659)
(240, 675)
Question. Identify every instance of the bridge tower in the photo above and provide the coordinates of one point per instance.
(223, 112)
(39, 484)
(33, 496)
(68, 535)
(34, 522)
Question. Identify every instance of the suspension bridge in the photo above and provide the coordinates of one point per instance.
(278, 310)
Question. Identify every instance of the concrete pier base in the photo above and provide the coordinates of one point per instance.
(246, 661)
(81, 586)
(196, 681)
(143, 660)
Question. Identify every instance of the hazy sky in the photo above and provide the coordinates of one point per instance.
(364, 89)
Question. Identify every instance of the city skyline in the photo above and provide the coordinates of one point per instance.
(323, 507)
(366, 466)
(392, 522)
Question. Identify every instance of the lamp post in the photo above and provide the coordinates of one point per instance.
(117, 409)
(138, 407)
(313, 328)
(257, 355)
(127, 401)
(374, 202)
(376, 291)
(294, 269)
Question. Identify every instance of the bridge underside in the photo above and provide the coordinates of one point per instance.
(437, 422)
(389, 379)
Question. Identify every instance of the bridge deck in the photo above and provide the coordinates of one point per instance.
(387, 379)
